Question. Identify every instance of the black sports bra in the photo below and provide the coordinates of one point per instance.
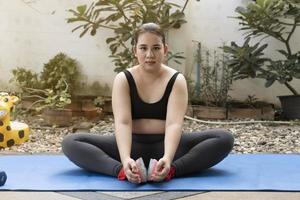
(143, 110)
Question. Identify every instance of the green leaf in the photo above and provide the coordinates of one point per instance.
(78, 27)
(260, 49)
(121, 31)
(71, 20)
(83, 32)
(102, 3)
(81, 9)
(126, 37)
(283, 52)
(109, 40)
(270, 82)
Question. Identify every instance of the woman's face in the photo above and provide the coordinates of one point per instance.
(150, 50)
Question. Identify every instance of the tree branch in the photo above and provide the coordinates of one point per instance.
(291, 88)
(287, 41)
(186, 2)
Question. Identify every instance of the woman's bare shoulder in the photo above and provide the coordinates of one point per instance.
(172, 71)
(119, 77)
(120, 80)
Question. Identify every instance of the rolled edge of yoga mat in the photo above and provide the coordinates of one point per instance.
(3, 178)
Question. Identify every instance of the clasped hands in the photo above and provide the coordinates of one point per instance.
(160, 172)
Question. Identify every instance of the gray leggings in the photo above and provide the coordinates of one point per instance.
(196, 151)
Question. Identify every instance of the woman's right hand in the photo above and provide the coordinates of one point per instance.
(131, 171)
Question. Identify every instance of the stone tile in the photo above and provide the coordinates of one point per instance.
(129, 195)
(167, 195)
(90, 195)
(245, 196)
(33, 196)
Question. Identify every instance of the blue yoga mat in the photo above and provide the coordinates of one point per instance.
(251, 172)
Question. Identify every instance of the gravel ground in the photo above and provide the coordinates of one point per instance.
(249, 138)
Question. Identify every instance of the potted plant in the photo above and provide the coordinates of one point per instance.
(251, 108)
(51, 89)
(26, 79)
(54, 111)
(208, 93)
(52, 104)
(277, 19)
(58, 70)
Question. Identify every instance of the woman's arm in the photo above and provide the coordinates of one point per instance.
(122, 115)
(123, 125)
(177, 106)
(176, 110)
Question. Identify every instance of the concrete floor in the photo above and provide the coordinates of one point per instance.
(12, 195)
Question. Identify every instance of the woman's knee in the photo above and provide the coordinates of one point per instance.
(226, 139)
(68, 143)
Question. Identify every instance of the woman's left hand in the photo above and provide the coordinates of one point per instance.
(162, 169)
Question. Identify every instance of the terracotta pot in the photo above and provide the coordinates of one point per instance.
(59, 117)
(107, 107)
(244, 113)
(27, 102)
(209, 112)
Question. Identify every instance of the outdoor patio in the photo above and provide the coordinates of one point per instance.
(240, 60)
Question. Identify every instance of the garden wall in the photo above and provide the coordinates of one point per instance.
(31, 33)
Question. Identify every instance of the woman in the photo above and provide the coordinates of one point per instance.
(149, 103)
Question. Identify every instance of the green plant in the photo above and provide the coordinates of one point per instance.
(55, 73)
(25, 77)
(49, 98)
(215, 79)
(61, 68)
(123, 17)
(53, 87)
(267, 18)
(251, 100)
(176, 57)
(99, 101)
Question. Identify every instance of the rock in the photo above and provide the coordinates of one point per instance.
(249, 138)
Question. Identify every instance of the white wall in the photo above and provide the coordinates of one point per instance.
(32, 34)
(209, 23)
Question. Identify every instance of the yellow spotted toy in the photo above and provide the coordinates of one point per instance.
(11, 132)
